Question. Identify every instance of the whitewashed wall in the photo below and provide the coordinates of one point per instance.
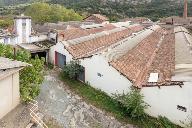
(38, 38)
(9, 40)
(164, 101)
(2, 40)
(52, 35)
(59, 47)
(111, 80)
(20, 32)
(9, 93)
(28, 30)
(18, 28)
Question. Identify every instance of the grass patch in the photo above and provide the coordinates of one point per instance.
(102, 101)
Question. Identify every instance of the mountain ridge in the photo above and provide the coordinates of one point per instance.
(117, 9)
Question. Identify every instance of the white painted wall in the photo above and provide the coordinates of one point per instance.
(9, 40)
(164, 101)
(2, 40)
(111, 80)
(52, 35)
(18, 29)
(9, 94)
(23, 34)
(37, 38)
(59, 47)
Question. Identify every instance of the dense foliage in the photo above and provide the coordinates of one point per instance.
(14, 2)
(114, 10)
(30, 77)
(133, 102)
(72, 69)
(6, 22)
(166, 123)
(42, 12)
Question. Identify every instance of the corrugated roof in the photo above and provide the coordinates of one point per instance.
(6, 63)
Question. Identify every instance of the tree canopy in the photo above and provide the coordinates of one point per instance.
(6, 22)
(30, 77)
(43, 12)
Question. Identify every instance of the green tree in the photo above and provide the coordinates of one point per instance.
(30, 77)
(42, 13)
(133, 102)
(165, 123)
(6, 22)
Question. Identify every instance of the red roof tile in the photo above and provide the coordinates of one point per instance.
(73, 33)
(134, 62)
(87, 48)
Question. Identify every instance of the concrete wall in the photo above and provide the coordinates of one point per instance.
(18, 28)
(37, 38)
(110, 81)
(9, 40)
(23, 34)
(163, 101)
(9, 94)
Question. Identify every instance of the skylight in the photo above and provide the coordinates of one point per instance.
(153, 77)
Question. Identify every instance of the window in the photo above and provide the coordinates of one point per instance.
(181, 108)
(24, 24)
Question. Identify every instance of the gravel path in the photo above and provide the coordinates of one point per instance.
(17, 118)
(69, 110)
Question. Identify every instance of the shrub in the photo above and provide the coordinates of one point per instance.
(165, 123)
(72, 69)
(50, 66)
(133, 102)
(30, 77)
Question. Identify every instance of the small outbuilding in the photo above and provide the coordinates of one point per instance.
(9, 84)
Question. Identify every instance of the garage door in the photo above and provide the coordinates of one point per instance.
(60, 59)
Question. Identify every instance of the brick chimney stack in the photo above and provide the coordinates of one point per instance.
(185, 9)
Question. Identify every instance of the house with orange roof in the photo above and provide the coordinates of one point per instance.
(97, 19)
(154, 59)
(9, 84)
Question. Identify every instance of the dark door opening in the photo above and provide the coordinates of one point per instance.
(60, 60)
(81, 76)
(40, 55)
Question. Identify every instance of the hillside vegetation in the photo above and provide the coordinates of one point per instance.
(42, 12)
(153, 9)
(116, 9)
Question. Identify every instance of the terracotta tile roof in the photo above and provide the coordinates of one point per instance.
(136, 19)
(87, 48)
(73, 33)
(133, 63)
(163, 62)
(176, 20)
(102, 17)
(96, 18)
